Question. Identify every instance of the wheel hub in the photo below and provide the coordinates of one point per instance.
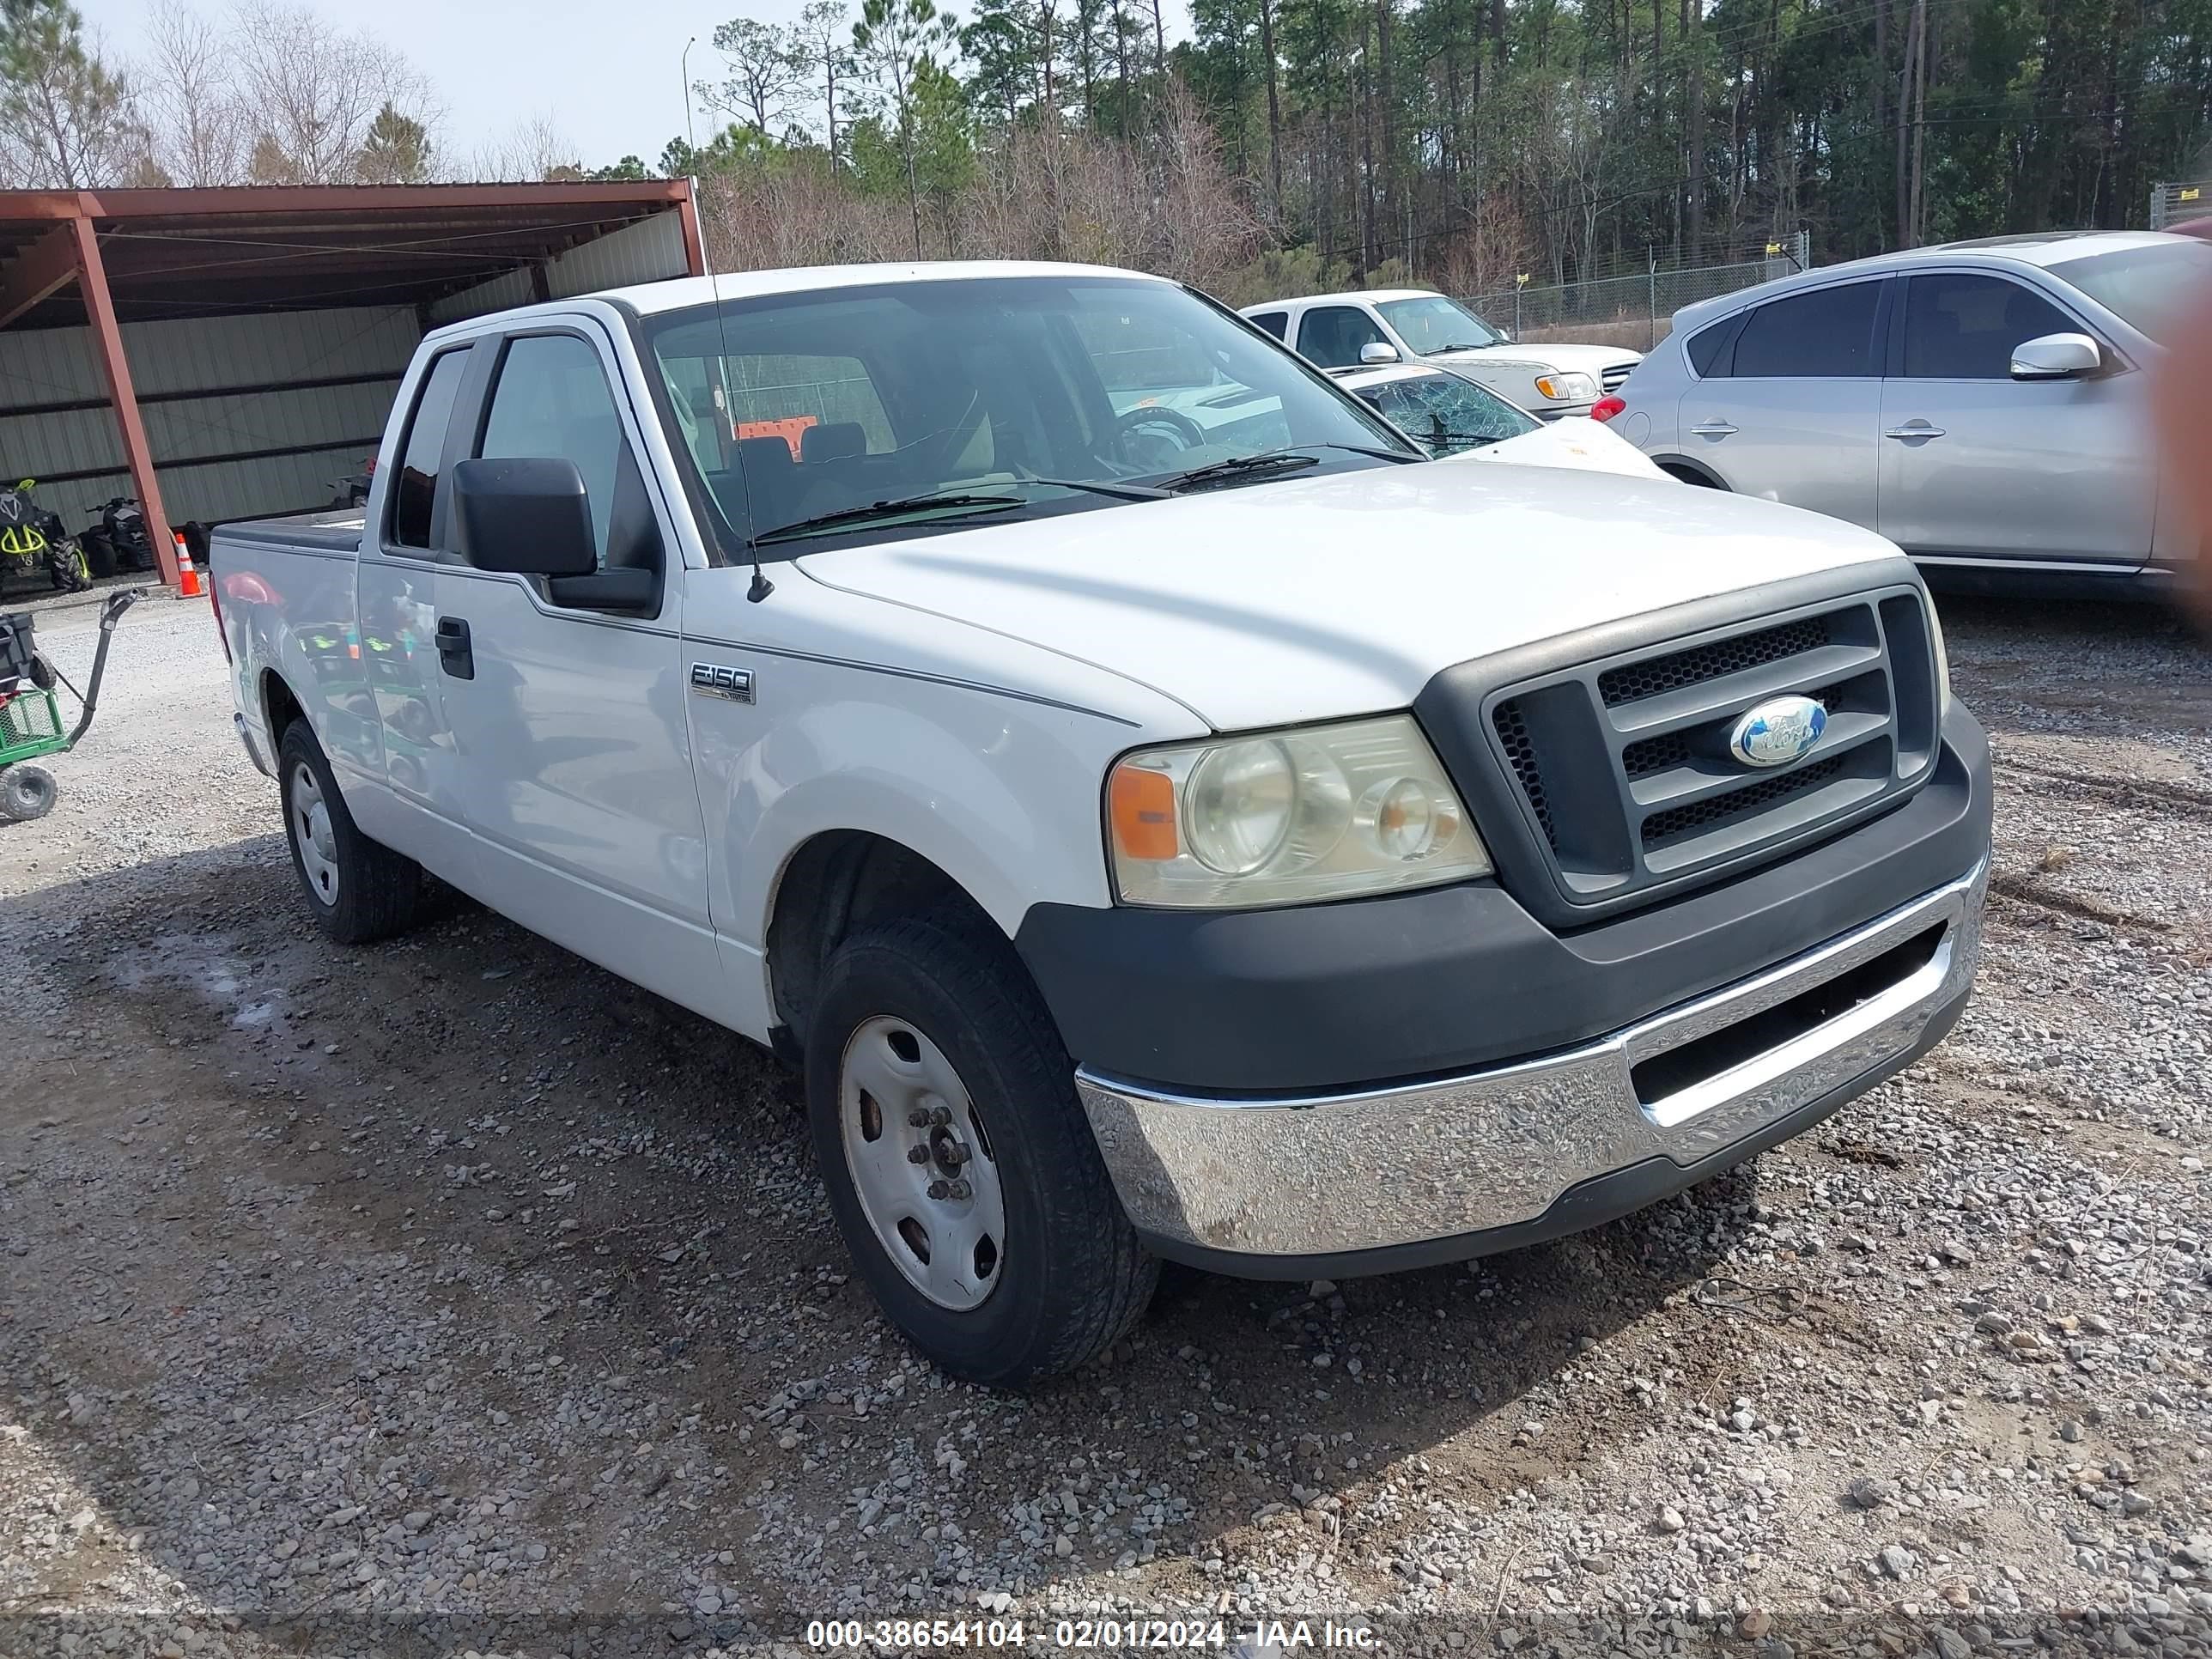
(920, 1163)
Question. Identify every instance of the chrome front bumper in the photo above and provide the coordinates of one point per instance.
(1495, 1149)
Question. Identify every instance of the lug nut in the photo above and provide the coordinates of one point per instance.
(962, 1189)
(943, 1188)
(957, 1153)
(917, 1154)
(917, 1119)
(940, 1115)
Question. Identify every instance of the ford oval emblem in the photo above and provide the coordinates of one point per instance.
(1777, 731)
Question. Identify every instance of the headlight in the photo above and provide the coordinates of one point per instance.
(1942, 656)
(1567, 388)
(1288, 818)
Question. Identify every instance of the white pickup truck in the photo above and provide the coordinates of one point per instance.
(1235, 841)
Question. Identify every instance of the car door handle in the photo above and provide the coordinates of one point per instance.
(1912, 429)
(1713, 430)
(455, 654)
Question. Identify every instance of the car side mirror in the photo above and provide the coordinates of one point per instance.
(1378, 351)
(525, 517)
(2056, 357)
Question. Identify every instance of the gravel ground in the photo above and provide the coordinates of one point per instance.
(451, 1296)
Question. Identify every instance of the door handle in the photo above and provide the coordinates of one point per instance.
(1713, 430)
(455, 654)
(1912, 429)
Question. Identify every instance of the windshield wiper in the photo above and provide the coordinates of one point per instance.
(1465, 345)
(1127, 492)
(1269, 461)
(889, 509)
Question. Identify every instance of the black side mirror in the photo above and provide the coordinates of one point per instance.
(525, 517)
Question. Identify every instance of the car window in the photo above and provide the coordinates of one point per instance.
(1446, 415)
(1823, 335)
(1331, 336)
(2147, 286)
(1706, 346)
(1965, 328)
(1017, 387)
(416, 489)
(1433, 322)
(552, 399)
(1272, 321)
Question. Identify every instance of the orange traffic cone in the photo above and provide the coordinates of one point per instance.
(189, 586)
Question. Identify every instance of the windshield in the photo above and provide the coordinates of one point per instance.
(2144, 286)
(1025, 396)
(1433, 322)
(1446, 415)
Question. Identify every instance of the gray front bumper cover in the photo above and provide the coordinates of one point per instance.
(1313, 1176)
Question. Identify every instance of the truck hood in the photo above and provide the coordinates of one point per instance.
(1586, 359)
(1314, 597)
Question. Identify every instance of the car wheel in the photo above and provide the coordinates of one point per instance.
(957, 1158)
(359, 890)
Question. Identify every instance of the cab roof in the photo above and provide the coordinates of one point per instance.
(648, 298)
(1349, 297)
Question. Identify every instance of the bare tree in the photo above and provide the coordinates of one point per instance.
(824, 34)
(314, 89)
(535, 151)
(188, 93)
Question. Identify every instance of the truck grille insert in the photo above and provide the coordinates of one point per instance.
(1615, 375)
(1625, 767)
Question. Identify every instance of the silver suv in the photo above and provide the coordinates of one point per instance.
(1981, 405)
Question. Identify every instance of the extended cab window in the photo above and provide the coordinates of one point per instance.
(1965, 328)
(1332, 336)
(1272, 321)
(1825, 335)
(552, 399)
(416, 490)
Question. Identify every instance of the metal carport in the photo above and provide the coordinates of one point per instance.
(236, 345)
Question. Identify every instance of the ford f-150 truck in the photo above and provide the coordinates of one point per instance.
(1231, 840)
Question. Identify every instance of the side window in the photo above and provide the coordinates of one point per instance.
(1707, 344)
(1965, 328)
(1331, 336)
(552, 399)
(416, 491)
(1272, 321)
(1825, 335)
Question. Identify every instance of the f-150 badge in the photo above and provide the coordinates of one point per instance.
(712, 680)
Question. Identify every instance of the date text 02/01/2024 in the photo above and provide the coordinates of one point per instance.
(1261, 1636)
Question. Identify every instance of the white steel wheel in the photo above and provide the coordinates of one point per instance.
(921, 1160)
(312, 838)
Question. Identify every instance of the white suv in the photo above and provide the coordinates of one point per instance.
(1403, 324)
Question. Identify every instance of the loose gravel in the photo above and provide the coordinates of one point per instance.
(452, 1297)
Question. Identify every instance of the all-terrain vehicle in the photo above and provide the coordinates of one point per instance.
(32, 539)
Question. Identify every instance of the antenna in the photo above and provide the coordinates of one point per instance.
(762, 586)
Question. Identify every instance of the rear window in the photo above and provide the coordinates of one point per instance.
(1825, 334)
(1707, 344)
(416, 490)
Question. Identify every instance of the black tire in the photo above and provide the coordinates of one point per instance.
(376, 892)
(26, 792)
(42, 672)
(66, 565)
(1690, 475)
(99, 553)
(1072, 1277)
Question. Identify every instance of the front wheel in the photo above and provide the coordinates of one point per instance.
(359, 889)
(66, 565)
(958, 1161)
(26, 792)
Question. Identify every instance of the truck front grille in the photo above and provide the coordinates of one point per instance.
(1624, 767)
(1615, 375)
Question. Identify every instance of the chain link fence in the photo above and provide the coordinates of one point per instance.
(1634, 309)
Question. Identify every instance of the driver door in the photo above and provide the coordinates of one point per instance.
(576, 781)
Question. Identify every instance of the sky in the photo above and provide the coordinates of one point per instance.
(608, 72)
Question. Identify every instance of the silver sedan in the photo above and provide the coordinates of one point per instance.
(1983, 405)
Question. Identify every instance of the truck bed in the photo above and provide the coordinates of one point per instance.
(337, 531)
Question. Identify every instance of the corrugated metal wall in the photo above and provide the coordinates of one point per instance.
(204, 444)
(40, 368)
(646, 251)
